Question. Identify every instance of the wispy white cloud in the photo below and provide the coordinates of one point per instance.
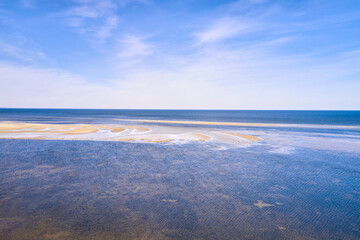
(92, 9)
(222, 29)
(105, 31)
(97, 18)
(84, 12)
(132, 46)
(22, 54)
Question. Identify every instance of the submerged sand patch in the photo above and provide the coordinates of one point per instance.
(260, 204)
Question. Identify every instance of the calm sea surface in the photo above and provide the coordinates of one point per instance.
(298, 183)
(257, 116)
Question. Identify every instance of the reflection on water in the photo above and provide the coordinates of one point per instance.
(115, 190)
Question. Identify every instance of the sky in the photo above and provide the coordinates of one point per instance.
(186, 54)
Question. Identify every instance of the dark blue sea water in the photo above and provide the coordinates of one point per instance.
(309, 188)
(251, 116)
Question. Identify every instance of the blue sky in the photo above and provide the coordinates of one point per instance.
(190, 54)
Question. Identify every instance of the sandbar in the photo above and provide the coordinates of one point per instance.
(156, 134)
(240, 124)
(247, 137)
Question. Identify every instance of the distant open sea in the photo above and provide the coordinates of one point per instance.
(253, 116)
(301, 180)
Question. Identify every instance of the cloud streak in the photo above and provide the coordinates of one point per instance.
(25, 55)
(132, 46)
(223, 29)
(97, 18)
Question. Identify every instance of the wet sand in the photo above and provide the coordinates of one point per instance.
(247, 137)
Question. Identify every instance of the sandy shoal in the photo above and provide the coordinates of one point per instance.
(242, 124)
(247, 137)
(16, 130)
(163, 138)
(73, 129)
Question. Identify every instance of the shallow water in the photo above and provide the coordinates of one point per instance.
(294, 184)
(92, 190)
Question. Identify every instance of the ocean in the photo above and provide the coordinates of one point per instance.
(257, 116)
(179, 174)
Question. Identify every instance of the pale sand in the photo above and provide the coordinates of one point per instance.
(202, 137)
(4, 126)
(158, 134)
(51, 128)
(138, 128)
(247, 137)
(118, 130)
(62, 129)
(163, 138)
(82, 131)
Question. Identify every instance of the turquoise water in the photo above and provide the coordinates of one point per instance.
(298, 183)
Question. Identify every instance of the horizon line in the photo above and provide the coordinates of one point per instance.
(179, 109)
